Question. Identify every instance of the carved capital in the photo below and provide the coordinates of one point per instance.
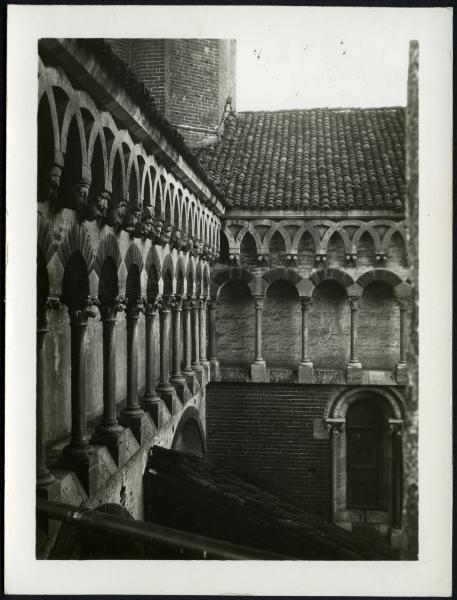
(306, 303)
(259, 302)
(176, 303)
(403, 303)
(80, 315)
(167, 303)
(135, 308)
(320, 258)
(188, 302)
(212, 302)
(109, 310)
(335, 427)
(152, 305)
(51, 303)
(353, 302)
(234, 258)
(395, 427)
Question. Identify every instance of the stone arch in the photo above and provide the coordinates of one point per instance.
(168, 266)
(383, 275)
(108, 283)
(282, 322)
(335, 249)
(77, 240)
(366, 249)
(116, 175)
(386, 510)
(337, 275)
(189, 434)
(224, 255)
(133, 257)
(98, 165)
(306, 250)
(248, 251)
(312, 232)
(75, 282)
(152, 286)
(147, 187)
(107, 248)
(231, 273)
(338, 405)
(133, 180)
(190, 277)
(152, 258)
(75, 164)
(48, 142)
(399, 228)
(73, 112)
(367, 229)
(180, 276)
(339, 230)
(275, 230)
(396, 250)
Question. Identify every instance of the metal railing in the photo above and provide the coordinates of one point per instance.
(149, 534)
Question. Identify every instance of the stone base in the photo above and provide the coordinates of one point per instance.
(170, 398)
(354, 373)
(306, 372)
(116, 442)
(181, 388)
(192, 381)
(136, 421)
(215, 372)
(84, 464)
(200, 374)
(259, 372)
(401, 374)
(156, 408)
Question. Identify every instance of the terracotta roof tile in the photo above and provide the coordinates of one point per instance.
(318, 159)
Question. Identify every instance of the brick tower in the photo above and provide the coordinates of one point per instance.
(191, 80)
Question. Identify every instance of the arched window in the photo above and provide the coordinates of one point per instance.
(364, 456)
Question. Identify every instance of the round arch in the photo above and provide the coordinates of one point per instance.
(189, 435)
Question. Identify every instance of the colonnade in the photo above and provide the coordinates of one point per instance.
(305, 366)
(187, 362)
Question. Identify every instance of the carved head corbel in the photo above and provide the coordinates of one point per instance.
(97, 206)
(176, 241)
(131, 218)
(115, 215)
(80, 194)
(157, 230)
(50, 186)
(147, 223)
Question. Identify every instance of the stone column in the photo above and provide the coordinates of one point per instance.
(151, 401)
(354, 368)
(196, 366)
(109, 432)
(203, 315)
(395, 430)
(188, 303)
(165, 389)
(305, 368)
(133, 415)
(401, 369)
(258, 367)
(78, 455)
(177, 378)
(335, 428)
(214, 363)
(43, 476)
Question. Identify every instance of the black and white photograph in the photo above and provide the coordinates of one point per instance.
(229, 241)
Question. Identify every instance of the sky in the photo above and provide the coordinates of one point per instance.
(321, 59)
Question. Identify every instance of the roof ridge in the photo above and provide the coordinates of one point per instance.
(324, 108)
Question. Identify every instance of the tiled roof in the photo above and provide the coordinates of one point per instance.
(310, 159)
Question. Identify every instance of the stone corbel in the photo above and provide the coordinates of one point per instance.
(80, 195)
(235, 259)
(335, 426)
(115, 215)
(292, 257)
(351, 260)
(262, 258)
(321, 258)
(381, 258)
(131, 219)
(50, 187)
(395, 427)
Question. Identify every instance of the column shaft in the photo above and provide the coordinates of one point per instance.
(258, 330)
(43, 475)
(202, 311)
(353, 305)
(306, 302)
(150, 355)
(176, 361)
(212, 329)
(403, 344)
(164, 383)
(196, 336)
(187, 308)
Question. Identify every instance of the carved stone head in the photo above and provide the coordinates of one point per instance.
(80, 193)
(176, 239)
(157, 230)
(147, 223)
(51, 185)
(132, 216)
(166, 235)
(97, 206)
(116, 214)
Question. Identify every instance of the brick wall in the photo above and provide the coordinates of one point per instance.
(274, 436)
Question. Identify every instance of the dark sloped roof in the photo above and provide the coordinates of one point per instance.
(191, 494)
(310, 159)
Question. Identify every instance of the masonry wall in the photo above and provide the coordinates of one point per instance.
(273, 436)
